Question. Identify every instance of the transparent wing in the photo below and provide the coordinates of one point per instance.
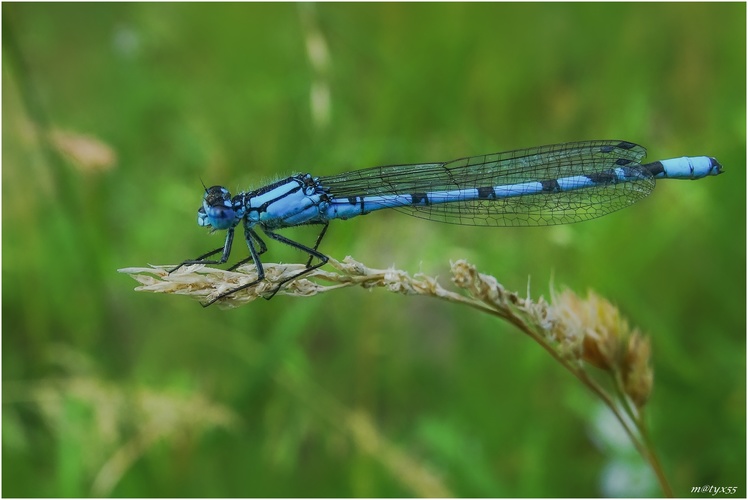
(539, 164)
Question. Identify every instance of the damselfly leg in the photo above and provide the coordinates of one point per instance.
(262, 250)
(226, 248)
(251, 236)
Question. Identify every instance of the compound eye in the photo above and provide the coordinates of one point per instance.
(217, 210)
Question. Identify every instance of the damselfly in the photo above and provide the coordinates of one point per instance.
(541, 186)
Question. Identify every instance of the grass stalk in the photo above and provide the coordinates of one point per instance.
(584, 335)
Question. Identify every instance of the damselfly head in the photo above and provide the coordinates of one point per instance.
(217, 211)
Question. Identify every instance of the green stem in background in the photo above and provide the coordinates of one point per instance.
(579, 333)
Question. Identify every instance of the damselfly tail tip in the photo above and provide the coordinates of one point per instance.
(716, 166)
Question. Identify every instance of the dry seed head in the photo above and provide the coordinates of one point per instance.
(596, 324)
(604, 340)
(638, 376)
(566, 325)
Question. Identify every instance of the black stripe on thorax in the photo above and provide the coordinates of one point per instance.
(270, 187)
(264, 206)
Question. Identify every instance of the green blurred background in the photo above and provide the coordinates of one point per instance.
(112, 114)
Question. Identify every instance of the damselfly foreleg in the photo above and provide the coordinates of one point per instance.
(203, 258)
(249, 232)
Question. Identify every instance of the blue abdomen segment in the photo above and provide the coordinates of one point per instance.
(687, 167)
